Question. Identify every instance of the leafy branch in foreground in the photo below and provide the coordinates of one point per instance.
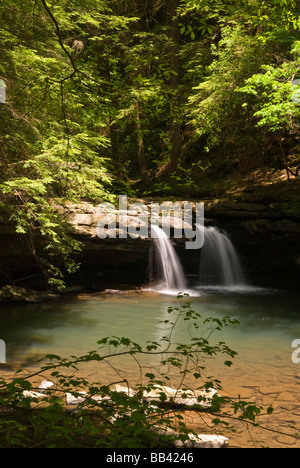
(171, 382)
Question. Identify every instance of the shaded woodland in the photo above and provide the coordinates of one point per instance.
(145, 97)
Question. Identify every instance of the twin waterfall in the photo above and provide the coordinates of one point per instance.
(219, 264)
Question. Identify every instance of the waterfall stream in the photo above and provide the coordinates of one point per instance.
(220, 265)
(167, 263)
(219, 261)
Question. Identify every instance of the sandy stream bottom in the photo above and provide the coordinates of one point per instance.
(263, 373)
(279, 389)
(266, 382)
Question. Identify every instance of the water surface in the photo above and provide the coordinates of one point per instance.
(269, 322)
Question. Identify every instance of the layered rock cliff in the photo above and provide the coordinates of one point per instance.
(265, 231)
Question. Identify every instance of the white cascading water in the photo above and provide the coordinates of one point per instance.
(219, 262)
(170, 272)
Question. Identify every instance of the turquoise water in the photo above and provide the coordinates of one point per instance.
(268, 323)
(263, 370)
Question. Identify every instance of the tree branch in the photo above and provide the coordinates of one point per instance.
(58, 33)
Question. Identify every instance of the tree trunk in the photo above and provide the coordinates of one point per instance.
(175, 125)
(142, 166)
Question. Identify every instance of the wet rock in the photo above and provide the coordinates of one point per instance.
(267, 226)
(196, 440)
(45, 386)
(180, 397)
(16, 294)
(204, 441)
(265, 232)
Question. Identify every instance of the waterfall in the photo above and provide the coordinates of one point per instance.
(166, 262)
(219, 262)
(220, 265)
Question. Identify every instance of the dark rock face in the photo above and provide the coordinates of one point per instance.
(265, 237)
(112, 263)
(267, 240)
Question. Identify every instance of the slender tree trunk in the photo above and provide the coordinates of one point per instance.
(140, 140)
(285, 162)
(113, 127)
(175, 125)
(114, 140)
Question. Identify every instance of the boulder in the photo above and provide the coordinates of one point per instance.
(181, 397)
(196, 440)
(16, 294)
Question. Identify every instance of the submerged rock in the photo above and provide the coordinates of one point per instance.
(196, 440)
(193, 440)
(180, 397)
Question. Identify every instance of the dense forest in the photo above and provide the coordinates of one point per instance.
(143, 97)
(170, 100)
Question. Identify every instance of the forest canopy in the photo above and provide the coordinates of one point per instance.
(106, 97)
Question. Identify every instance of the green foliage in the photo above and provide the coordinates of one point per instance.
(247, 36)
(51, 149)
(104, 416)
(110, 97)
(214, 109)
(274, 92)
(276, 106)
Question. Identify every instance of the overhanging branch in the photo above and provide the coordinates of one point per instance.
(59, 35)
